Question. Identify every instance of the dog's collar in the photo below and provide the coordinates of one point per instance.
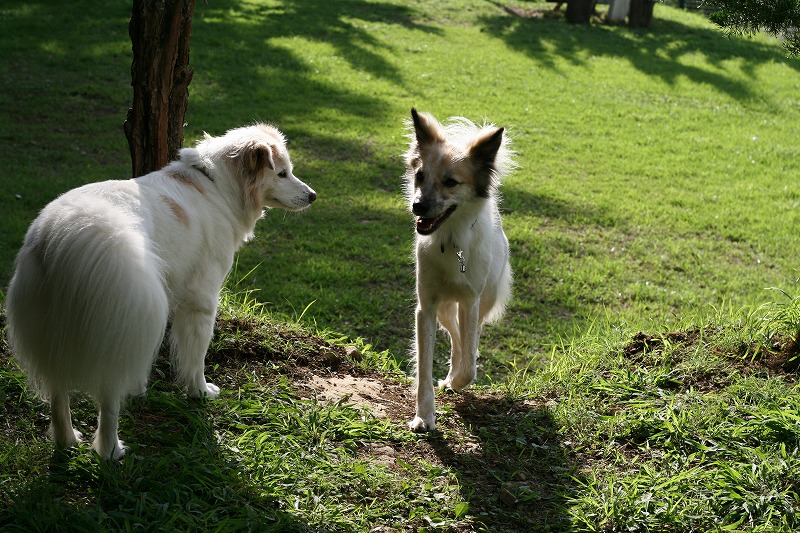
(461, 260)
(204, 170)
(459, 256)
(459, 252)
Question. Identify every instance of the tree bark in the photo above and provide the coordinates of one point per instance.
(160, 32)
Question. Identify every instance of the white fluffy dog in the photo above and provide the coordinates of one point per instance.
(105, 266)
(463, 272)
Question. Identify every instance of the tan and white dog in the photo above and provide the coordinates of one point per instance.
(463, 271)
(105, 266)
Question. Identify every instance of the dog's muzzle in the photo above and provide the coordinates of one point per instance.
(427, 225)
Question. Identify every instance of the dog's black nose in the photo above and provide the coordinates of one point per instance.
(419, 208)
(312, 196)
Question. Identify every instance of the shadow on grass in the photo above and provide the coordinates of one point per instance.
(343, 24)
(542, 309)
(270, 69)
(548, 208)
(658, 51)
(173, 478)
(64, 84)
(513, 469)
(367, 287)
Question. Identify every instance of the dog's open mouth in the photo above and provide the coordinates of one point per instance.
(426, 226)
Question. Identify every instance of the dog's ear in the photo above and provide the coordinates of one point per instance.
(484, 148)
(251, 160)
(261, 157)
(482, 154)
(426, 128)
(255, 157)
(272, 156)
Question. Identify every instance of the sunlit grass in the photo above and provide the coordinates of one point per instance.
(648, 365)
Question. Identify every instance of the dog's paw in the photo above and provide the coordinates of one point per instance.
(207, 390)
(419, 425)
(451, 385)
(113, 452)
(77, 437)
(212, 391)
(119, 451)
(68, 439)
(456, 382)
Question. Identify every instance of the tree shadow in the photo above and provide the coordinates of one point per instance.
(543, 225)
(343, 24)
(360, 291)
(174, 477)
(512, 466)
(59, 70)
(658, 51)
(517, 200)
(270, 69)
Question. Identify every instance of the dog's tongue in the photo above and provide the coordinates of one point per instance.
(425, 224)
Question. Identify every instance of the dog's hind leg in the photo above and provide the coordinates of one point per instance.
(61, 421)
(464, 370)
(190, 336)
(106, 440)
(448, 318)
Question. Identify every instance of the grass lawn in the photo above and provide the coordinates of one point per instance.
(643, 377)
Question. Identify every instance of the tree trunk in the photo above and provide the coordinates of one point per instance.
(160, 31)
(579, 11)
(641, 13)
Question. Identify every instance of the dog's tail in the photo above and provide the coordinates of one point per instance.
(86, 308)
(502, 296)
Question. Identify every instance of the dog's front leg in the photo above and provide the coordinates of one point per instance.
(425, 419)
(190, 335)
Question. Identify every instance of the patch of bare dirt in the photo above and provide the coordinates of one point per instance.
(507, 455)
(642, 342)
(360, 391)
(779, 356)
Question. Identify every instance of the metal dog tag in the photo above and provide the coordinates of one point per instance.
(460, 255)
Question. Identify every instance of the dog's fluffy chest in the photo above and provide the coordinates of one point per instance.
(458, 264)
(450, 271)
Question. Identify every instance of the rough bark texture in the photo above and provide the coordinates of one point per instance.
(160, 31)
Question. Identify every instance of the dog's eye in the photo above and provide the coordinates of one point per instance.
(450, 183)
(420, 176)
(282, 174)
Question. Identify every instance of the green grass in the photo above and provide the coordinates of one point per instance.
(693, 430)
(642, 378)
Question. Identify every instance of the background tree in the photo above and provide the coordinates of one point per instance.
(780, 17)
(160, 31)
